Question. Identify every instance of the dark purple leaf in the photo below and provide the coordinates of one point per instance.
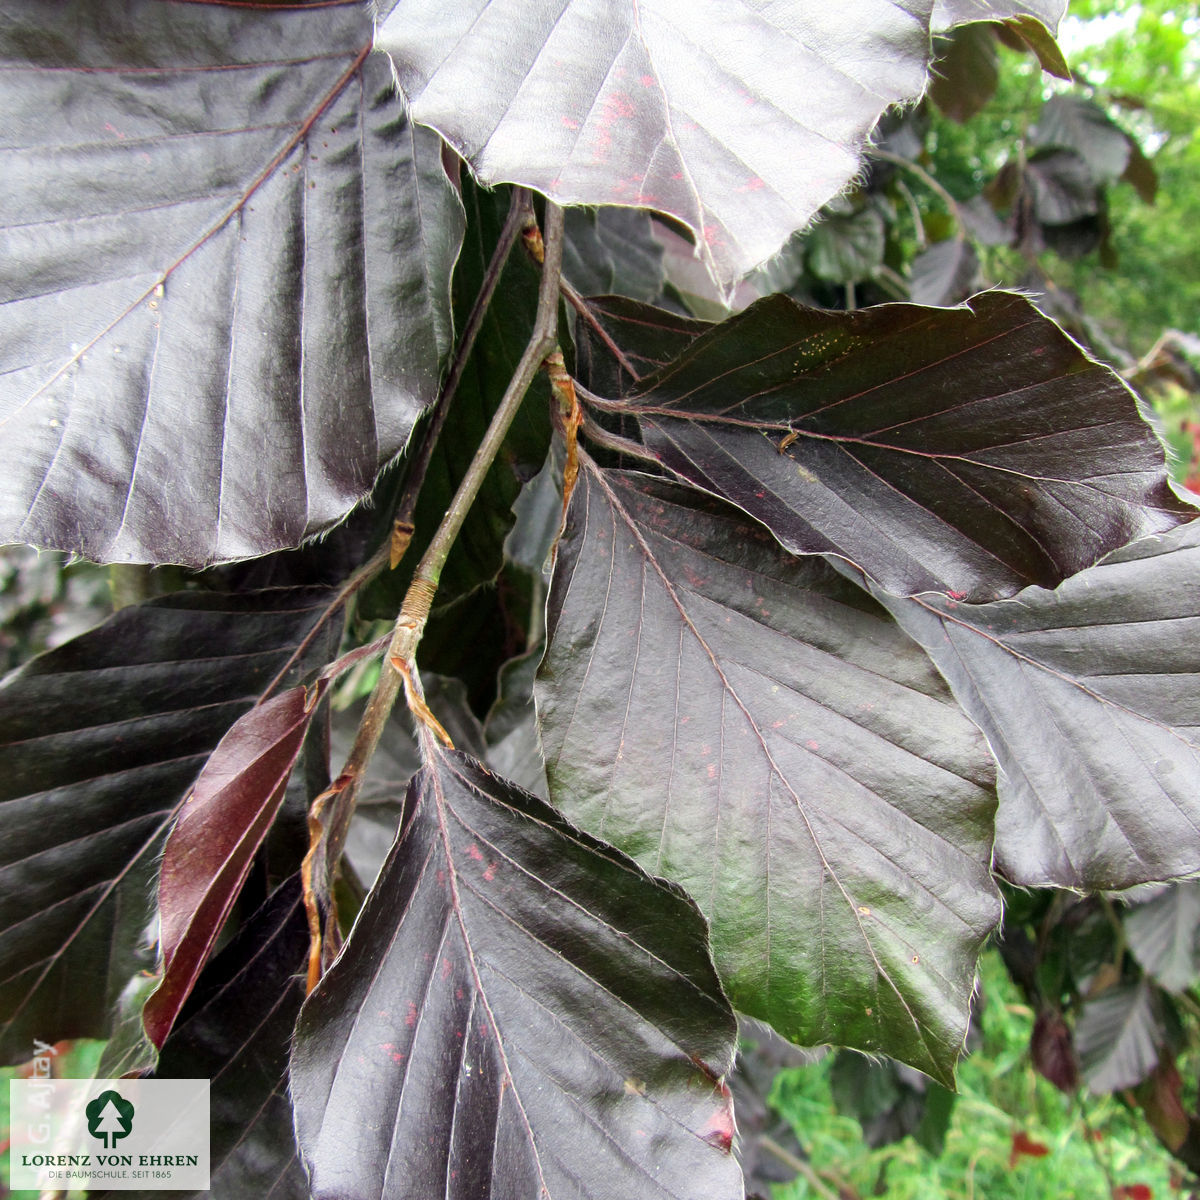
(613, 251)
(1088, 699)
(99, 742)
(1061, 186)
(478, 553)
(1119, 1035)
(1164, 935)
(752, 728)
(946, 273)
(519, 1011)
(739, 120)
(1028, 33)
(965, 71)
(236, 1032)
(226, 274)
(1052, 1050)
(208, 854)
(1077, 124)
(970, 450)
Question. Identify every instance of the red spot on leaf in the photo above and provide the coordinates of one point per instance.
(411, 1018)
(813, 744)
(1023, 1146)
(1133, 1191)
(475, 853)
(570, 123)
(490, 873)
(647, 81)
(447, 968)
(955, 595)
(753, 185)
(718, 1130)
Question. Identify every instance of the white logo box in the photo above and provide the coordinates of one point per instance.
(118, 1134)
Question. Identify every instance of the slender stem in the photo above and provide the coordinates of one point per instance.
(581, 306)
(520, 213)
(355, 583)
(924, 176)
(419, 600)
(798, 1165)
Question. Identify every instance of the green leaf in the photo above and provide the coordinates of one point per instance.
(1164, 936)
(970, 450)
(739, 120)
(751, 727)
(99, 742)
(519, 1011)
(226, 275)
(1087, 696)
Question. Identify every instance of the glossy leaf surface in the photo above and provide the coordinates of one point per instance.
(214, 840)
(959, 12)
(739, 120)
(750, 727)
(519, 1011)
(236, 1032)
(1087, 696)
(970, 450)
(220, 233)
(99, 741)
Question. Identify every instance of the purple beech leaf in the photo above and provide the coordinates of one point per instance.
(214, 840)
(236, 1032)
(100, 740)
(519, 1011)
(739, 120)
(972, 450)
(1119, 1036)
(224, 296)
(947, 13)
(755, 729)
(1088, 698)
(220, 827)
(1164, 935)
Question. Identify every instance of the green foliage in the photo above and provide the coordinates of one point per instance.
(1089, 1141)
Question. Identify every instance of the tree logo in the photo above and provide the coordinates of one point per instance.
(109, 1118)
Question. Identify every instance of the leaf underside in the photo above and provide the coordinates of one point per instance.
(1088, 698)
(1164, 935)
(219, 233)
(750, 727)
(972, 450)
(99, 741)
(740, 120)
(519, 1011)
